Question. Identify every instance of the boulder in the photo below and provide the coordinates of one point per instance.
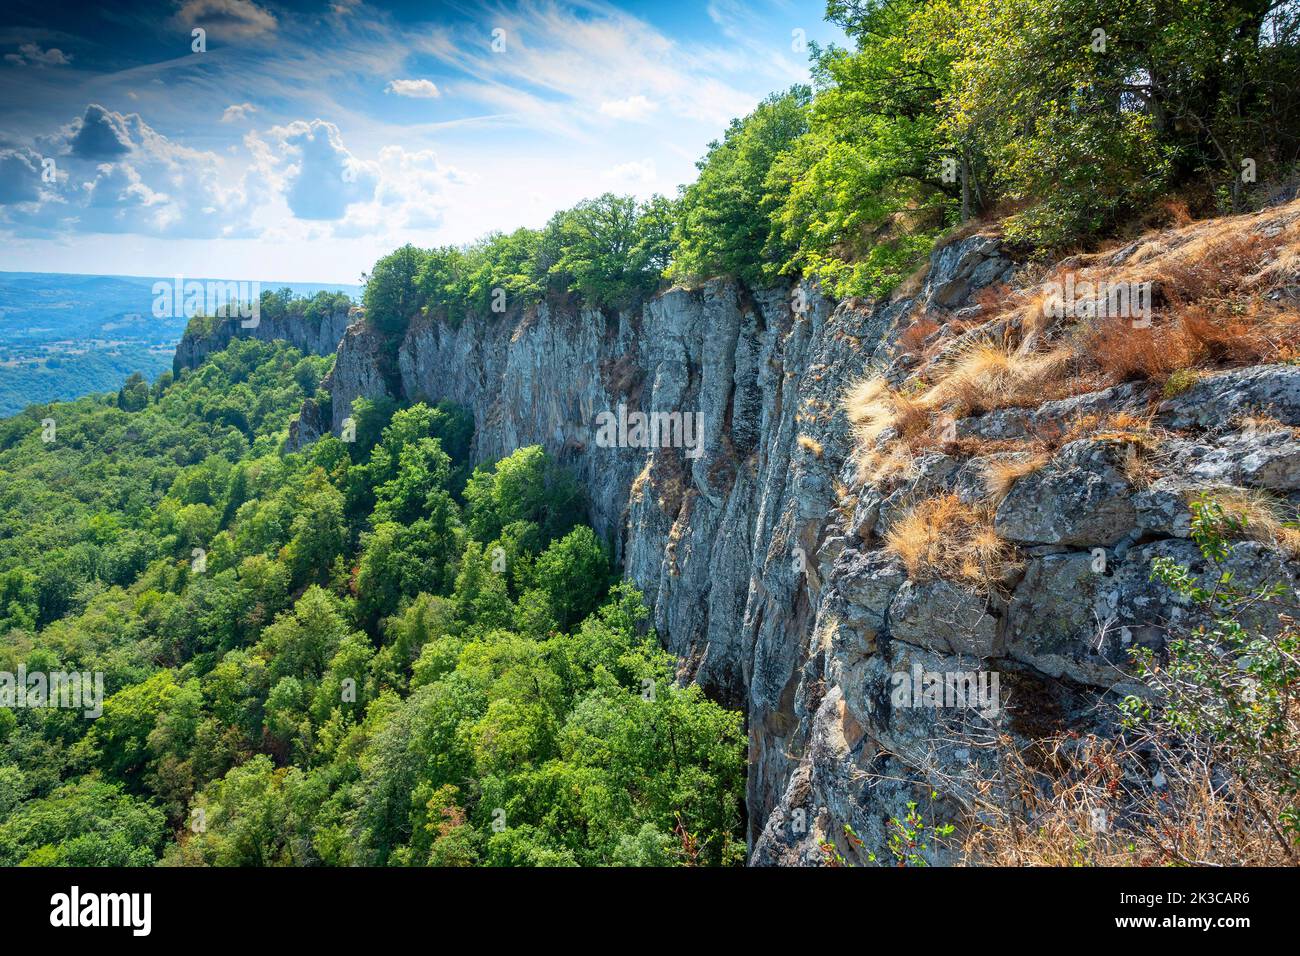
(1079, 498)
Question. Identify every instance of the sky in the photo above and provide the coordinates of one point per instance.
(300, 141)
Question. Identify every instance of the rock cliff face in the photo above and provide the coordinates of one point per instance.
(313, 337)
(761, 557)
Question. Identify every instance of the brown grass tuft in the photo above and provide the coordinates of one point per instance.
(1200, 335)
(1263, 516)
(913, 337)
(810, 444)
(945, 538)
(1000, 474)
(985, 376)
(1125, 352)
(872, 408)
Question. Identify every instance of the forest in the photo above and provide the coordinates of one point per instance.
(362, 654)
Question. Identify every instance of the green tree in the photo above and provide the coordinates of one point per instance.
(392, 295)
(527, 486)
(574, 573)
(725, 225)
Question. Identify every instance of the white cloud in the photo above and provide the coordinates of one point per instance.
(412, 194)
(631, 108)
(323, 178)
(417, 89)
(641, 173)
(31, 53)
(116, 174)
(225, 19)
(238, 111)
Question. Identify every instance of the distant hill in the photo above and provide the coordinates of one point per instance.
(62, 336)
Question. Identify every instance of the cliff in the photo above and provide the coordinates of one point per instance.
(764, 558)
(313, 336)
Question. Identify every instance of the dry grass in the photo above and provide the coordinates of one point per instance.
(985, 376)
(1241, 333)
(1263, 517)
(1124, 352)
(810, 444)
(1283, 268)
(867, 405)
(993, 298)
(1000, 474)
(1217, 265)
(1200, 335)
(913, 337)
(873, 408)
(945, 538)
(1082, 801)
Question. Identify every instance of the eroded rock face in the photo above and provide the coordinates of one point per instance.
(313, 337)
(729, 541)
(1081, 497)
(760, 554)
(1213, 401)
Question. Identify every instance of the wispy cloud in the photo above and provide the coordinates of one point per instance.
(225, 19)
(238, 111)
(416, 89)
(629, 108)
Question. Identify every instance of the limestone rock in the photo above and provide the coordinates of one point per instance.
(945, 618)
(1080, 497)
(1214, 400)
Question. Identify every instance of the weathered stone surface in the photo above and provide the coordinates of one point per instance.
(1018, 423)
(1148, 607)
(1162, 508)
(930, 475)
(1255, 458)
(868, 581)
(961, 268)
(945, 618)
(1215, 400)
(866, 512)
(1080, 497)
(1061, 619)
(359, 371)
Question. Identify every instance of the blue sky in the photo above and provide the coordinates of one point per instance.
(309, 138)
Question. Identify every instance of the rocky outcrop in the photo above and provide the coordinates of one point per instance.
(313, 336)
(759, 552)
